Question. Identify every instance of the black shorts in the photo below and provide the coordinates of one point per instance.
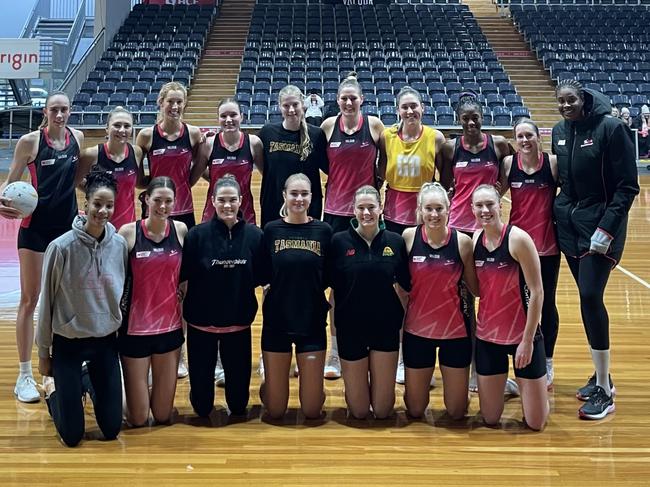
(355, 344)
(492, 359)
(37, 239)
(141, 346)
(281, 341)
(420, 352)
(187, 218)
(339, 223)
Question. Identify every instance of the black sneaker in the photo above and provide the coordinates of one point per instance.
(587, 390)
(598, 406)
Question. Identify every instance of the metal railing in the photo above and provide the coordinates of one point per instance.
(79, 73)
(62, 53)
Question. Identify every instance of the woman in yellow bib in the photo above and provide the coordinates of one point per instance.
(411, 152)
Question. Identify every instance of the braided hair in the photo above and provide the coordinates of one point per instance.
(468, 100)
(572, 84)
(99, 179)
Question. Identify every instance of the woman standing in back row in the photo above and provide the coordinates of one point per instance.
(598, 182)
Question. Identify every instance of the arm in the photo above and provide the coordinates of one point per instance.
(466, 251)
(25, 152)
(321, 147)
(523, 251)
(502, 147)
(504, 173)
(139, 156)
(552, 159)
(197, 139)
(383, 160)
(128, 232)
(181, 231)
(87, 160)
(444, 164)
(53, 262)
(201, 159)
(143, 141)
(440, 142)
(328, 127)
(257, 148)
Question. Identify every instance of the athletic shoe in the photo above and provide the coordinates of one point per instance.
(86, 384)
(296, 371)
(260, 368)
(219, 374)
(511, 388)
(473, 381)
(25, 390)
(182, 366)
(48, 386)
(400, 376)
(598, 405)
(432, 384)
(550, 373)
(585, 392)
(332, 367)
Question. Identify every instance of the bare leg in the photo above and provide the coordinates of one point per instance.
(357, 389)
(163, 388)
(136, 387)
(455, 382)
(490, 395)
(312, 394)
(534, 402)
(31, 266)
(274, 391)
(383, 366)
(416, 391)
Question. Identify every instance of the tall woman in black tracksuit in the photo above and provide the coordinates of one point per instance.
(598, 182)
(365, 262)
(295, 308)
(221, 266)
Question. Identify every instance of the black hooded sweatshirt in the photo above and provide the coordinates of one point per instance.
(597, 177)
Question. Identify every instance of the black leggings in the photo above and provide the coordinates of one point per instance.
(591, 273)
(65, 403)
(235, 351)
(550, 319)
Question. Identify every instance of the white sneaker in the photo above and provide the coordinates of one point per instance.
(260, 368)
(182, 366)
(511, 389)
(25, 390)
(296, 371)
(550, 373)
(473, 379)
(332, 367)
(48, 385)
(219, 374)
(399, 375)
(432, 384)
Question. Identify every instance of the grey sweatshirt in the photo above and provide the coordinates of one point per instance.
(82, 285)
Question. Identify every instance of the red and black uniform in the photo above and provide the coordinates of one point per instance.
(532, 211)
(352, 164)
(295, 308)
(502, 311)
(174, 159)
(471, 170)
(436, 315)
(368, 312)
(152, 323)
(238, 163)
(126, 175)
(52, 173)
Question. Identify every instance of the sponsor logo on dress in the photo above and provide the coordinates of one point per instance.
(479, 263)
(217, 161)
(48, 162)
(587, 143)
(158, 249)
(158, 152)
(502, 265)
(142, 254)
(516, 184)
(419, 258)
(462, 163)
(334, 145)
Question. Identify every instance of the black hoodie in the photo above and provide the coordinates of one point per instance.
(597, 177)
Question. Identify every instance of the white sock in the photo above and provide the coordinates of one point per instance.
(549, 363)
(25, 369)
(334, 346)
(601, 362)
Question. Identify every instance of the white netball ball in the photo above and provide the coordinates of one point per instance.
(23, 197)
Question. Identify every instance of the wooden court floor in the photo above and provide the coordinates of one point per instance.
(398, 451)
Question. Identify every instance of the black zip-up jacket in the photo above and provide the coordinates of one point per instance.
(362, 277)
(222, 268)
(597, 177)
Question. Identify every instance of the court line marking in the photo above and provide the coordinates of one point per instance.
(629, 274)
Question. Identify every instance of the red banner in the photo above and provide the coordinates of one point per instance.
(180, 2)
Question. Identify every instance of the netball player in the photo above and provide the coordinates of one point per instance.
(118, 157)
(291, 146)
(152, 333)
(83, 280)
(366, 262)
(233, 152)
(510, 306)
(436, 316)
(598, 182)
(222, 266)
(51, 154)
(353, 141)
(170, 146)
(295, 308)
(531, 176)
(411, 151)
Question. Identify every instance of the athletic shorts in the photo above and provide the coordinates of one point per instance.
(281, 341)
(420, 352)
(355, 344)
(339, 223)
(492, 359)
(187, 218)
(141, 346)
(37, 239)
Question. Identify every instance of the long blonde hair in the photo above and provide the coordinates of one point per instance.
(294, 177)
(164, 91)
(306, 145)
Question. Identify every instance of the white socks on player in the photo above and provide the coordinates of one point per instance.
(601, 363)
(334, 346)
(25, 369)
